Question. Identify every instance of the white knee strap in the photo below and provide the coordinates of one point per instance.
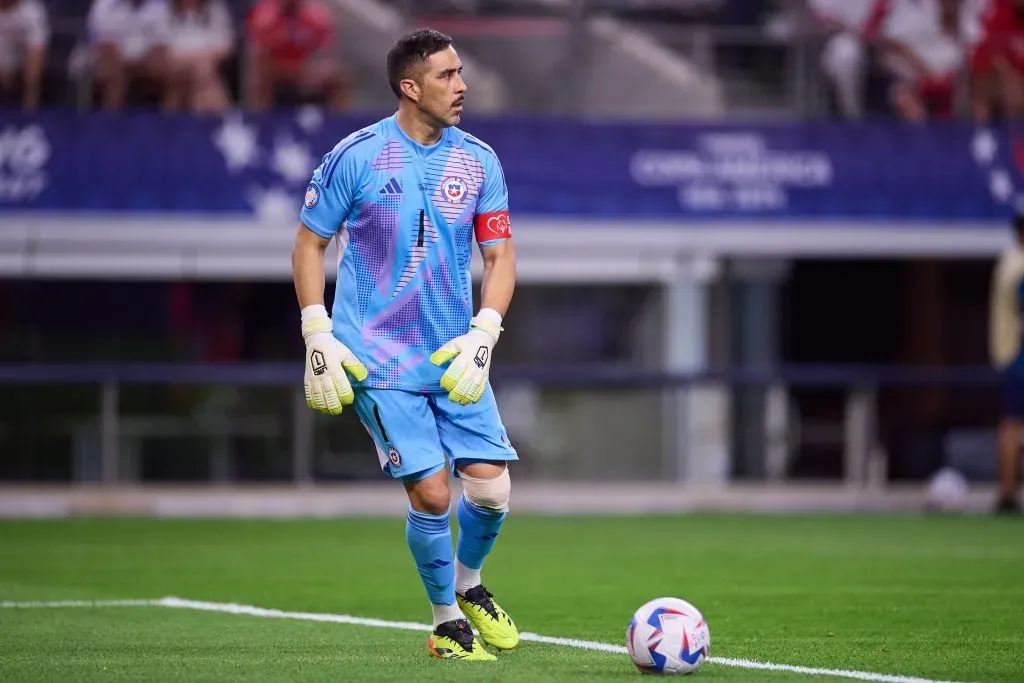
(488, 493)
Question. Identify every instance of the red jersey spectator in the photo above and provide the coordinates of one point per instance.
(923, 49)
(998, 61)
(290, 43)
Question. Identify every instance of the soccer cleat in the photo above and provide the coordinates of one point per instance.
(493, 624)
(1008, 505)
(454, 640)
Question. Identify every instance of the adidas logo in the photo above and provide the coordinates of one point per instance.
(392, 187)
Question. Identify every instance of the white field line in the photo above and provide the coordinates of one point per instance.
(249, 610)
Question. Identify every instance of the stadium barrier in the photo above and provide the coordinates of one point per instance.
(106, 483)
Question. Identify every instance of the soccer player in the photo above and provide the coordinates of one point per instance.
(405, 198)
(1006, 304)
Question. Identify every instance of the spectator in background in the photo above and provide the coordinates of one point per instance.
(997, 65)
(291, 43)
(201, 38)
(922, 48)
(24, 35)
(1005, 336)
(130, 44)
(851, 27)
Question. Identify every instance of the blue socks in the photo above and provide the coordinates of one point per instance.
(430, 540)
(478, 528)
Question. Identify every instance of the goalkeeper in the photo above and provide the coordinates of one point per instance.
(405, 198)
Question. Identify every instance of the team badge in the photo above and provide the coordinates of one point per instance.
(394, 456)
(312, 196)
(454, 189)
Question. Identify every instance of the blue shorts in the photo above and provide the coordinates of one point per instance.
(414, 432)
(1013, 395)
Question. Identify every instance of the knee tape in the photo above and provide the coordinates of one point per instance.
(488, 493)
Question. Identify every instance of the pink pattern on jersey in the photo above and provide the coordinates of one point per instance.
(383, 349)
(391, 158)
(399, 320)
(376, 252)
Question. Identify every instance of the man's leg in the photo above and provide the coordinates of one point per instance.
(112, 75)
(476, 440)
(1009, 443)
(843, 62)
(404, 431)
(1009, 465)
(429, 535)
(482, 507)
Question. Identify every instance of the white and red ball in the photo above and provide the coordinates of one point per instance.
(668, 636)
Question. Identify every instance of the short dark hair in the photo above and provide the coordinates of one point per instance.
(412, 50)
(1018, 226)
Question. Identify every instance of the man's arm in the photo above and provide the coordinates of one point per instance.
(308, 267)
(325, 207)
(327, 386)
(499, 278)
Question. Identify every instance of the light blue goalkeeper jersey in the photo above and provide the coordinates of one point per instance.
(406, 215)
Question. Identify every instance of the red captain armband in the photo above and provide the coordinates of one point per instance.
(492, 226)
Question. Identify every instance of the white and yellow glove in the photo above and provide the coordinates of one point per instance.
(466, 378)
(327, 361)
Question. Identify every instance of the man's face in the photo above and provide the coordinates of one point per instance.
(442, 88)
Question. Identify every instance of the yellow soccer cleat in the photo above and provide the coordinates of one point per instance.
(454, 640)
(493, 624)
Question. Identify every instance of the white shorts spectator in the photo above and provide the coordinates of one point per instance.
(136, 29)
(206, 30)
(917, 24)
(852, 24)
(22, 26)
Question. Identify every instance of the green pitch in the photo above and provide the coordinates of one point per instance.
(938, 598)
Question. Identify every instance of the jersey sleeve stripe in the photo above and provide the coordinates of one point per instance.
(332, 164)
(479, 144)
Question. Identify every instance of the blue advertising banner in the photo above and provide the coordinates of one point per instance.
(242, 165)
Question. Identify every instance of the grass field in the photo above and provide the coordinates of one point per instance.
(937, 598)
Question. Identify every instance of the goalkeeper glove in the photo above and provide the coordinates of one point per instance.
(327, 360)
(466, 377)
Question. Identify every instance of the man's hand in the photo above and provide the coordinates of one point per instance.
(466, 378)
(327, 362)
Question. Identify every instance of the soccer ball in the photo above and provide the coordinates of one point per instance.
(947, 491)
(668, 636)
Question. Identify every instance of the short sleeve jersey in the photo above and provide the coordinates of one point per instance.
(405, 215)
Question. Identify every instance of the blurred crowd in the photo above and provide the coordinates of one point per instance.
(923, 59)
(194, 55)
(920, 59)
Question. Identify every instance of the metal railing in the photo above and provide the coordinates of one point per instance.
(264, 402)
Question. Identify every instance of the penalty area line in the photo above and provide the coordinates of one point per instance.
(265, 613)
